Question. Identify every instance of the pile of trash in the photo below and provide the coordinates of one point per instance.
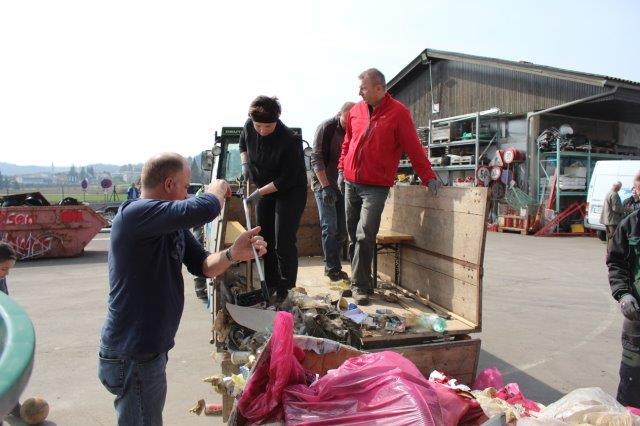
(246, 328)
(280, 386)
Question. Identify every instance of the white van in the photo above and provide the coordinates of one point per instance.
(604, 174)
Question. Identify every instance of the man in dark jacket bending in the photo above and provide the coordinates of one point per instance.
(623, 261)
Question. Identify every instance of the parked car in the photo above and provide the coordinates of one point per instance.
(605, 173)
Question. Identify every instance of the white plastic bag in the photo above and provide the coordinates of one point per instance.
(590, 406)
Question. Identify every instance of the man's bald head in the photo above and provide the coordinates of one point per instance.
(344, 113)
(160, 167)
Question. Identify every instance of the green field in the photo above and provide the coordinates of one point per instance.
(55, 194)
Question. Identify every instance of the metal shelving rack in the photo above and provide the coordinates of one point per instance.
(478, 143)
(556, 156)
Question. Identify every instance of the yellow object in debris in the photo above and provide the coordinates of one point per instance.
(577, 228)
(238, 381)
(340, 285)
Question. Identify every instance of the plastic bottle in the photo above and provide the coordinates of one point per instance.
(433, 322)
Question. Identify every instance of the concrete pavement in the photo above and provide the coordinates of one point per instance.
(549, 323)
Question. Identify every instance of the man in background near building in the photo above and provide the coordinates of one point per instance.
(378, 130)
(612, 211)
(133, 192)
(327, 145)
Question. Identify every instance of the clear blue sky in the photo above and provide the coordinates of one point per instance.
(84, 82)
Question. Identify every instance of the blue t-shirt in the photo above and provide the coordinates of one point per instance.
(150, 240)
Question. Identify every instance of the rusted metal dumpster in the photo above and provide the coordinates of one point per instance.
(49, 231)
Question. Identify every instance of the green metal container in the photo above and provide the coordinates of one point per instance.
(17, 346)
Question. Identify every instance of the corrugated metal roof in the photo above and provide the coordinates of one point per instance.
(527, 67)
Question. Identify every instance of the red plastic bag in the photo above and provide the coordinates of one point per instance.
(381, 388)
(488, 378)
(278, 368)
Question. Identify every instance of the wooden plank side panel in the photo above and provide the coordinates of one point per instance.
(457, 359)
(451, 234)
(463, 271)
(451, 199)
(457, 296)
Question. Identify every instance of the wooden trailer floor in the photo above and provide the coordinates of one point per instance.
(311, 277)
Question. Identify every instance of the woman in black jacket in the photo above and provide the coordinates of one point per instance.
(271, 154)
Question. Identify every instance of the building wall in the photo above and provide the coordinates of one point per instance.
(629, 134)
(462, 88)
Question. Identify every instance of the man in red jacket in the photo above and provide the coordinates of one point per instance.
(378, 130)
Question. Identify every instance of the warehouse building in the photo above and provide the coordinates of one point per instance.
(471, 110)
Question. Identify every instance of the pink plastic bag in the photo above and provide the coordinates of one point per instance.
(279, 367)
(511, 393)
(381, 388)
(488, 378)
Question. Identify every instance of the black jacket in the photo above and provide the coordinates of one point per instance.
(276, 158)
(623, 257)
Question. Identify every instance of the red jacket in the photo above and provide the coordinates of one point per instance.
(372, 146)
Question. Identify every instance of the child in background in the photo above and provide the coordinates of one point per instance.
(8, 259)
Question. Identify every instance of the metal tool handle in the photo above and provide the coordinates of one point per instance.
(247, 215)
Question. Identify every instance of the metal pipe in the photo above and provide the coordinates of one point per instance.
(467, 116)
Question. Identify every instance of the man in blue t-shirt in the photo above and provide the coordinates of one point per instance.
(150, 241)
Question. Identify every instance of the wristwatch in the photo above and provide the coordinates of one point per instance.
(227, 254)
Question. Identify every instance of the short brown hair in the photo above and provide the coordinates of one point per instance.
(160, 167)
(7, 252)
(374, 75)
(264, 109)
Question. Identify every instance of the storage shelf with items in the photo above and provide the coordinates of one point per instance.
(458, 144)
(565, 163)
(567, 151)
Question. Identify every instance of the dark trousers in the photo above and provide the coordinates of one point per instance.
(609, 231)
(629, 387)
(139, 384)
(333, 226)
(364, 205)
(279, 217)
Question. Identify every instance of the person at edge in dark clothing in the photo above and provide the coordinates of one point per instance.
(150, 241)
(623, 261)
(272, 156)
(632, 203)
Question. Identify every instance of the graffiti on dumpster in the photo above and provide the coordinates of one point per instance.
(17, 218)
(31, 245)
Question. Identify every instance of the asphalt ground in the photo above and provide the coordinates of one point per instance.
(549, 324)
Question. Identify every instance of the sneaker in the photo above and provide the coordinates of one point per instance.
(343, 275)
(336, 275)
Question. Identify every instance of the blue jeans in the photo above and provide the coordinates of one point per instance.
(139, 384)
(332, 223)
(364, 205)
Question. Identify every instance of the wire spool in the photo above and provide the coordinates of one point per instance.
(512, 155)
(484, 175)
(496, 172)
